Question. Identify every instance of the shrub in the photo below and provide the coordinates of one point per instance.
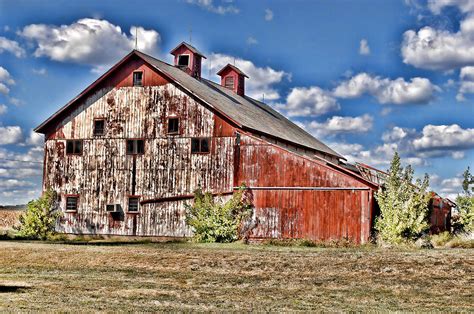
(40, 217)
(215, 221)
(465, 205)
(403, 205)
(441, 239)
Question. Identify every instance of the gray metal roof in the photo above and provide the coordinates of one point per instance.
(245, 111)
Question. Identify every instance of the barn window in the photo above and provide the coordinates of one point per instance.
(183, 60)
(71, 203)
(137, 78)
(135, 147)
(99, 127)
(173, 125)
(229, 82)
(74, 147)
(133, 203)
(200, 145)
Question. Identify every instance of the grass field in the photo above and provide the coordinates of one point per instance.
(185, 276)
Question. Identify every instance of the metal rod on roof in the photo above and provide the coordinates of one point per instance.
(136, 38)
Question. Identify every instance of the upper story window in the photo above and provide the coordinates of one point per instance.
(133, 204)
(138, 78)
(229, 82)
(71, 203)
(73, 147)
(135, 147)
(99, 127)
(200, 145)
(183, 60)
(173, 125)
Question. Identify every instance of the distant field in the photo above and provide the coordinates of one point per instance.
(9, 218)
(186, 276)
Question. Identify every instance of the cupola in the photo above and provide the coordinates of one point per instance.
(232, 78)
(188, 59)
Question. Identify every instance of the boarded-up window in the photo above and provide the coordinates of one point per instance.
(183, 60)
(99, 127)
(74, 147)
(135, 147)
(133, 204)
(173, 125)
(137, 78)
(229, 82)
(71, 203)
(200, 145)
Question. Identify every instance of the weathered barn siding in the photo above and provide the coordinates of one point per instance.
(440, 214)
(103, 173)
(296, 197)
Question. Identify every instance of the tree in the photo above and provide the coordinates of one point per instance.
(403, 205)
(40, 217)
(465, 204)
(215, 221)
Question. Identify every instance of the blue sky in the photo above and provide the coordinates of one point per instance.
(368, 77)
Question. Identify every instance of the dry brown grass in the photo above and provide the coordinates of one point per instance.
(9, 218)
(187, 276)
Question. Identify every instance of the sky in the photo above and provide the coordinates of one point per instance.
(367, 77)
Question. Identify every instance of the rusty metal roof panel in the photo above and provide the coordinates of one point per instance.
(247, 112)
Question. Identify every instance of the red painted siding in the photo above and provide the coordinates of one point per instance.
(343, 210)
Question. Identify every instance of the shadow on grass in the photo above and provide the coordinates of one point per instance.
(13, 288)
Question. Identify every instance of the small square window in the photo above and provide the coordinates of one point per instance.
(71, 203)
(99, 127)
(173, 125)
(137, 78)
(183, 60)
(133, 203)
(135, 147)
(229, 82)
(110, 207)
(200, 145)
(73, 147)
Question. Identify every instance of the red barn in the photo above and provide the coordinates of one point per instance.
(126, 154)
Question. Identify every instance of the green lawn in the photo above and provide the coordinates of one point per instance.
(187, 276)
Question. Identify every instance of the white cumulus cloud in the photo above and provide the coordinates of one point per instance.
(338, 124)
(10, 135)
(437, 49)
(364, 48)
(268, 15)
(3, 109)
(436, 6)
(398, 91)
(444, 137)
(88, 41)
(12, 47)
(309, 101)
(223, 8)
(466, 82)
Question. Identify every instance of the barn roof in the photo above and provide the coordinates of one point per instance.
(246, 112)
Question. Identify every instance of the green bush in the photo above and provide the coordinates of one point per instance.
(40, 217)
(465, 205)
(215, 221)
(441, 239)
(403, 205)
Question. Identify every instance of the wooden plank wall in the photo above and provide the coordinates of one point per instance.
(302, 213)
